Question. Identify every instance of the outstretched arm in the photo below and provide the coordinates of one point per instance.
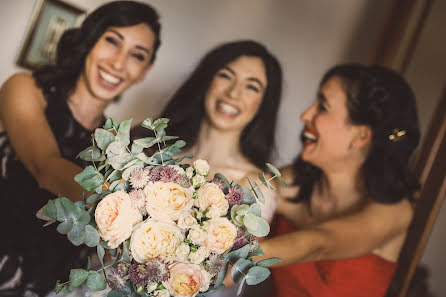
(22, 107)
(344, 237)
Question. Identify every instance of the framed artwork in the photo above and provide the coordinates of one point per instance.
(49, 20)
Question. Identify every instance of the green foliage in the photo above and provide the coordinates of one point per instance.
(256, 275)
(240, 269)
(89, 178)
(96, 281)
(77, 277)
(268, 262)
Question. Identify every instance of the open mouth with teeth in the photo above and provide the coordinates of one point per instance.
(308, 137)
(109, 80)
(227, 109)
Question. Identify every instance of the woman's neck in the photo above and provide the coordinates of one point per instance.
(217, 146)
(86, 109)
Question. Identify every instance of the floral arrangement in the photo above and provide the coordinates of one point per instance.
(170, 231)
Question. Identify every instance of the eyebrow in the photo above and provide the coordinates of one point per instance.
(122, 38)
(254, 79)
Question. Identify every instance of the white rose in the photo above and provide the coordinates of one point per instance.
(186, 220)
(187, 279)
(198, 180)
(115, 218)
(151, 286)
(182, 251)
(166, 201)
(202, 167)
(211, 195)
(189, 172)
(196, 235)
(213, 212)
(162, 293)
(155, 239)
(198, 215)
(220, 235)
(199, 256)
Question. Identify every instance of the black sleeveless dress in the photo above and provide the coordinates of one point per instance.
(33, 257)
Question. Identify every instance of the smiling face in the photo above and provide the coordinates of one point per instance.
(235, 93)
(119, 59)
(329, 138)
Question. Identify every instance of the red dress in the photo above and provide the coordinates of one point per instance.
(365, 276)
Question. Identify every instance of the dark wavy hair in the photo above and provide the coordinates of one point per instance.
(75, 44)
(381, 99)
(186, 108)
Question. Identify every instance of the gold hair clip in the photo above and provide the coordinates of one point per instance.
(396, 134)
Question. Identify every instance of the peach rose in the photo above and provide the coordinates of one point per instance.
(211, 195)
(115, 218)
(155, 239)
(221, 234)
(166, 201)
(187, 279)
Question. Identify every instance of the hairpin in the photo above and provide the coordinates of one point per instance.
(397, 134)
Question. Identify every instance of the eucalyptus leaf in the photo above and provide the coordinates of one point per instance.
(257, 252)
(103, 138)
(108, 124)
(126, 255)
(240, 269)
(77, 277)
(115, 175)
(248, 196)
(257, 226)
(268, 262)
(266, 182)
(256, 189)
(242, 252)
(255, 209)
(61, 212)
(145, 142)
(116, 293)
(49, 222)
(282, 181)
(123, 186)
(221, 275)
(65, 226)
(148, 123)
(136, 149)
(89, 178)
(59, 287)
(93, 198)
(274, 170)
(95, 281)
(124, 132)
(91, 153)
(225, 182)
(119, 161)
(77, 234)
(256, 275)
(101, 252)
(91, 236)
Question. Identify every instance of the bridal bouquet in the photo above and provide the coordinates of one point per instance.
(169, 229)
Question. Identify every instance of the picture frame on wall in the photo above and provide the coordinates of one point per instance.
(49, 20)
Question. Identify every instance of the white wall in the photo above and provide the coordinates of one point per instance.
(307, 36)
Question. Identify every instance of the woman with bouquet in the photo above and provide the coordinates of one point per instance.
(344, 221)
(46, 119)
(226, 112)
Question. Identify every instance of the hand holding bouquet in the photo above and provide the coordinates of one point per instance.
(169, 229)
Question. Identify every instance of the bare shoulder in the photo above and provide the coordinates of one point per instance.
(21, 87)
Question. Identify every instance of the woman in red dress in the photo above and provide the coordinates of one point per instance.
(342, 223)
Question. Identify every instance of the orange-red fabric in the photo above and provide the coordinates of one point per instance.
(365, 276)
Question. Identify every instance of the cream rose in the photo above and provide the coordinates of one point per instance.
(115, 218)
(221, 234)
(202, 167)
(187, 279)
(186, 220)
(198, 180)
(196, 235)
(166, 201)
(190, 172)
(162, 293)
(211, 195)
(155, 239)
(199, 256)
(182, 251)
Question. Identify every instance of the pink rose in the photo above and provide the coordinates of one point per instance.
(187, 279)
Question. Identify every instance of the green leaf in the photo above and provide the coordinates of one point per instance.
(136, 149)
(148, 123)
(224, 180)
(103, 138)
(257, 252)
(59, 287)
(89, 178)
(239, 253)
(77, 277)
(268, 262)
(91, 153)
(256, 226)
(255, 209)
(61, 212)
(95, 281)
(126, 252)
(123, 135)
(108, 124)
(240, 269)
(256, 275)
(101, 252)
(266, 182)
(274, 170)
(282, 181)
(145, 142)
(115, 293)
(77, 234)
(256, 189)
(91, 236)
(248, 196)
(221, 275)
(65, 226)
(93, 198)
(167, 138)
